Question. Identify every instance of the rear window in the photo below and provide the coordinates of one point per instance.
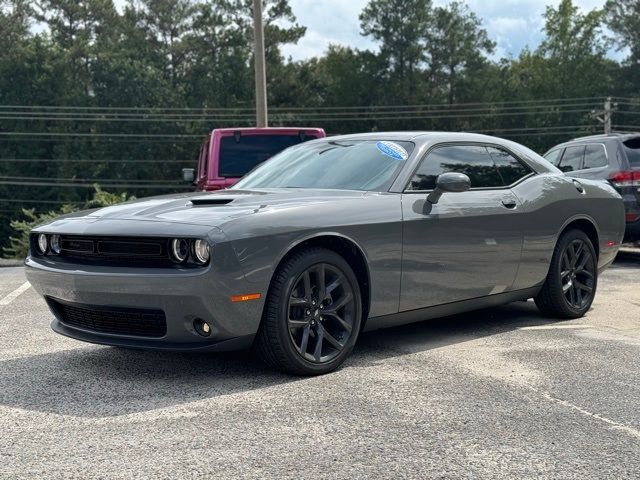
(240, 154)
(632, 147)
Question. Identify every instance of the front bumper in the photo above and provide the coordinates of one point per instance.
(183, 295)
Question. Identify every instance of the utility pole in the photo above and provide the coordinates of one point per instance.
(259, 65)
(604, 116)
(607, 116)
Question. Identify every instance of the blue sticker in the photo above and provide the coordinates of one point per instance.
(393, 150)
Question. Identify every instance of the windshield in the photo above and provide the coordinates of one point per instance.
(344, 165)
(239, 155)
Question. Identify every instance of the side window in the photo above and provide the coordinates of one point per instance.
(595, 156)
(554, 156)
(572, 159)
(510, 168)
(474, 161)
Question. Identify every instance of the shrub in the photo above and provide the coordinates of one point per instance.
(19, 242)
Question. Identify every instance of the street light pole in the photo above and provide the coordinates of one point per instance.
(260, 69)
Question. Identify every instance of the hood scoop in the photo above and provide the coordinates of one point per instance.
(212, 200)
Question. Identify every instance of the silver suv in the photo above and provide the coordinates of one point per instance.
(614, 158)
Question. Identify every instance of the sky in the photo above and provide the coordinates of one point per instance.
(512, 24)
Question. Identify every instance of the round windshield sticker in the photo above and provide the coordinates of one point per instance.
(393, 150)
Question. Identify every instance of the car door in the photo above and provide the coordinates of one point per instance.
(468, 245)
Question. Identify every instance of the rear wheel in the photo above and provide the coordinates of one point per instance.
(312, 315)
(572, 279)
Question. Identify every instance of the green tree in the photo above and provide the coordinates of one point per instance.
(575, 49)
(456, 42)
(19, 241)
(402, 44)
(623, 18)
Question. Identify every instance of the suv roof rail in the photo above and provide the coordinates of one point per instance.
(605, 135)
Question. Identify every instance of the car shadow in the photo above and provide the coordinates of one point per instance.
(628, 258)
(102, 382)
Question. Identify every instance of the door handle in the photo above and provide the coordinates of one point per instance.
(509, 202)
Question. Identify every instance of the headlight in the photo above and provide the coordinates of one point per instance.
(43, 244)
(54, 243)
(179, 249)
(201, 252)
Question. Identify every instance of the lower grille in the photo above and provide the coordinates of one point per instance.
(122, 321)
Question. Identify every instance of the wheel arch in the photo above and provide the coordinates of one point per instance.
(585, 224)
(344, 246)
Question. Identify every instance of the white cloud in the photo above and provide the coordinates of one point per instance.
(327, 21)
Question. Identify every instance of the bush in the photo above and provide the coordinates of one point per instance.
(19, 243)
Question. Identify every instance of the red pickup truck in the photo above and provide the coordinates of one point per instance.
(227, 154)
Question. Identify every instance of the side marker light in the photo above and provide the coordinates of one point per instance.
(244, 298)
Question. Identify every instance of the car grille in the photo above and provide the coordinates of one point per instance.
(121, 321)
(122, 251)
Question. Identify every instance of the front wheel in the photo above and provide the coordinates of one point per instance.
(573, 277)
(312, 315)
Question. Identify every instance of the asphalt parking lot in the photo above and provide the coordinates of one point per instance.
(499, 393)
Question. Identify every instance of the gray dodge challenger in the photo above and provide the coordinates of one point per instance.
(328, 239)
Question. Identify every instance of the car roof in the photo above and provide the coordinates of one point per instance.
(420, 136)
(263, 130)
(616, 136)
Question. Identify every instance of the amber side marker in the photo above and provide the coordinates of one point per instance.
(244, 298)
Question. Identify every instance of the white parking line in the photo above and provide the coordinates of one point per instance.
(15, 294)
(612, 423)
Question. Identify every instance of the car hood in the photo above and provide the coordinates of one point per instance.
(212, 209)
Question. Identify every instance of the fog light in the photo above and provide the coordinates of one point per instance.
(201, 327)
(54, 242)
(179, 249)
(201, 251)
(42, 244)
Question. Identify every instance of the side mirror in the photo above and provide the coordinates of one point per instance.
(189, 175)
(449, 182)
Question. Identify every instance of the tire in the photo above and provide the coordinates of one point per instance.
(290, 314)
(571, 283)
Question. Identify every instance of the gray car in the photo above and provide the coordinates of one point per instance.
(327, 239)
(614, 158)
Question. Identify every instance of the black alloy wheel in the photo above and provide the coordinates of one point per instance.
(312, 315)
(571, 283)
(577, 274)
(321, 313)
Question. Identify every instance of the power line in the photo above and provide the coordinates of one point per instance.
(300, 111)
(117, 135)
(95, 180)
(92, 185)
(308, 117)
(56, 202)
(106, 135)
(92, 160)
(252, 110)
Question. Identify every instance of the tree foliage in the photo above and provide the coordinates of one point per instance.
(19, 240)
